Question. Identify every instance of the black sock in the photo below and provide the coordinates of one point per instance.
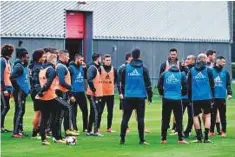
(206, 133)
(35, 132)
(164, 134)
(218, 127)
(224, 128)
(123, 139)
(199, 134)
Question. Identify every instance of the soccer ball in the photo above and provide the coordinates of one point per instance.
(71, 140)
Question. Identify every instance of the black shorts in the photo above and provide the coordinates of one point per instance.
(202, 106)
(36, 105)
(134, 104)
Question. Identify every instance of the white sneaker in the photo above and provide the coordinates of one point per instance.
(98, 134)
(39, 137)
(90, 134)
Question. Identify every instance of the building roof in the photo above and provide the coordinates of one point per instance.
(125, 20)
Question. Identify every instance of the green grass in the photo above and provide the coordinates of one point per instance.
(109, 144)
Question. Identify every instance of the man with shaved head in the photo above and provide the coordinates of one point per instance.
(189, 62)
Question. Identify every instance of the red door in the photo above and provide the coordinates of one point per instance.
(75, 25)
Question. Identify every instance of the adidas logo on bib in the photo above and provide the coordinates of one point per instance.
(172, 79)
(79, 75)
(200, 76)
(218, 81)
(134, 73)
(79, 78)
(107, 77)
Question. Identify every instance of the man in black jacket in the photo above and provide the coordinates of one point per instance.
(20, 82)
(136, 87)
(128, 58)
(172, 60)
(189, 62)
(95, 94)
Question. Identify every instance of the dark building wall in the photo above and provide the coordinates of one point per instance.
(155, 52)
(34, 43)
(233, 52)
(233, 30)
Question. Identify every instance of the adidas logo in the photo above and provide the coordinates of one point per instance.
(218, 81)
(107, 77)
(79, 78)
(200, 76)
(134, 73)
(172, 79)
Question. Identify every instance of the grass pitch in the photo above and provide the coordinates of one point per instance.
(108, 146)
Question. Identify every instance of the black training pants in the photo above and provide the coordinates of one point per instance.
(219, 104)
(35, 103)
(81, 101)
(20, 99)
(5, 107)
(109, 101)
(94, 113)
(167, 107)
(47, 108)
(187, 104)
(66, 109)
(128, 106)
